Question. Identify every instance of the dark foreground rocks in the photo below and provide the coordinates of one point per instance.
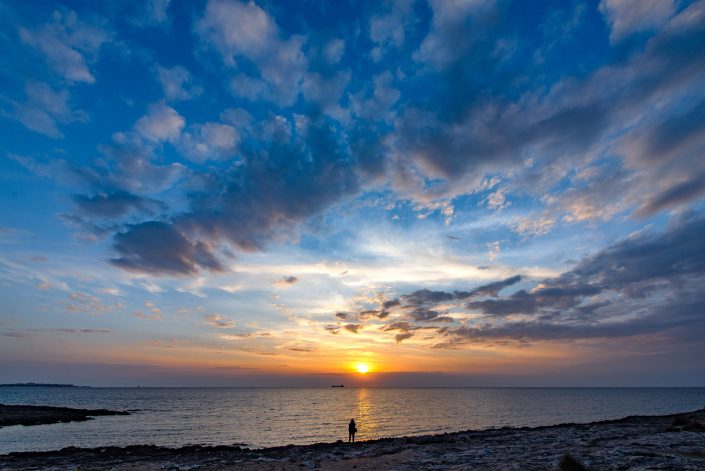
(37, 415)
(640, 442)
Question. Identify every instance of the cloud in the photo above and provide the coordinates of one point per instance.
(476, 128)
(378, 100)
(251, 205)
(244, 31)
(154, 312)
(490, 289)
(85, 303)
(177, 83)
(286, 281)
(632, 16)
(326, 92)
(399, 338)
(115, 204)
(620, 291)
(129, 155)
(354, 328)
(68, 45)
(216, 320)
(156, 11)
(450, 35)
(677, 195)
(388, 30)
(44, 109)
(158, 248)
(210, 141)
(161, 123)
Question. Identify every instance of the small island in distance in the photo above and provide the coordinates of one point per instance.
(40, 385)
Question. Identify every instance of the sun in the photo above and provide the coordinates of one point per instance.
(362, 368)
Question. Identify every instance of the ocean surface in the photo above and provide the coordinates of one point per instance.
(270, 417)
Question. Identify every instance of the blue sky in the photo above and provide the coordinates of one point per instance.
(261, 193)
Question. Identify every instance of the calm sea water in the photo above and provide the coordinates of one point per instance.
(269, 417)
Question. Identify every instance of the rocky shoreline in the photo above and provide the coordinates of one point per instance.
(38, 415)
(675, 441)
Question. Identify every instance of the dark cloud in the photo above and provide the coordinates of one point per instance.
(486, 107)
(425, 296)
(115, 204)
(648, 284)
(75, 331)
(674, 196)
(289, 173)
(422, 314)
(17, 335)
(472, 124)
(400, 325)
(157, 247)
(490, 289)
(403, 336)
(391, 303)
(354, 328)
(333, 329)
(303, 347)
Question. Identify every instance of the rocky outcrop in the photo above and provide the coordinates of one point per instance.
(37, 415)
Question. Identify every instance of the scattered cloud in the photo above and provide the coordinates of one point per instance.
(244, 31)
(44, 109)
(68, 44)
(161, 123)
(177, 83)
(632, 16)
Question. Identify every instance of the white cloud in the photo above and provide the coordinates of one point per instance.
(497, 200)
(244, 30)
(161, 123)
(177, 83)
(249, 88)
(493, 250)
(450, 18)
(377, 103)
(157, 10)
(44, 109)
(388, 30)
(535, 226)
(68, 44)
(326, 91)
(630, 16)
(334, 51)
(210, 141)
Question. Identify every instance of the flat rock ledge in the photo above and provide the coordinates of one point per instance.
(674, 441)
(37, 415)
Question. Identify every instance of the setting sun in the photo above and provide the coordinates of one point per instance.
(362, 368)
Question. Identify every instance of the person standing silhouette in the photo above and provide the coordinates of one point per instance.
(352, 428)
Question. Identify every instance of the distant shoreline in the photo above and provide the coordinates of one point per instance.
(673, 441)
(40, 385)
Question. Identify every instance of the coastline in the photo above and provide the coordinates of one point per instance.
(12, 414)
(674, 441)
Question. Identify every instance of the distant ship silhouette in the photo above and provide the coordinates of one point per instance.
(338, 386)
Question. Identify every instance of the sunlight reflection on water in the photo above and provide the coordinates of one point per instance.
(269, 417)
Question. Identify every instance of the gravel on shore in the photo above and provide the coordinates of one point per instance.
(675, 441)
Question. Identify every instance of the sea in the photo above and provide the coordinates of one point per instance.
(279, 416)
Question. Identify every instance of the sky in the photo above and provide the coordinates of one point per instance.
(275, 193)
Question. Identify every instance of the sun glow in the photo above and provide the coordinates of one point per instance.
(362, 368)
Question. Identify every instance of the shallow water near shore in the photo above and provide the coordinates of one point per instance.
(272, 417)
